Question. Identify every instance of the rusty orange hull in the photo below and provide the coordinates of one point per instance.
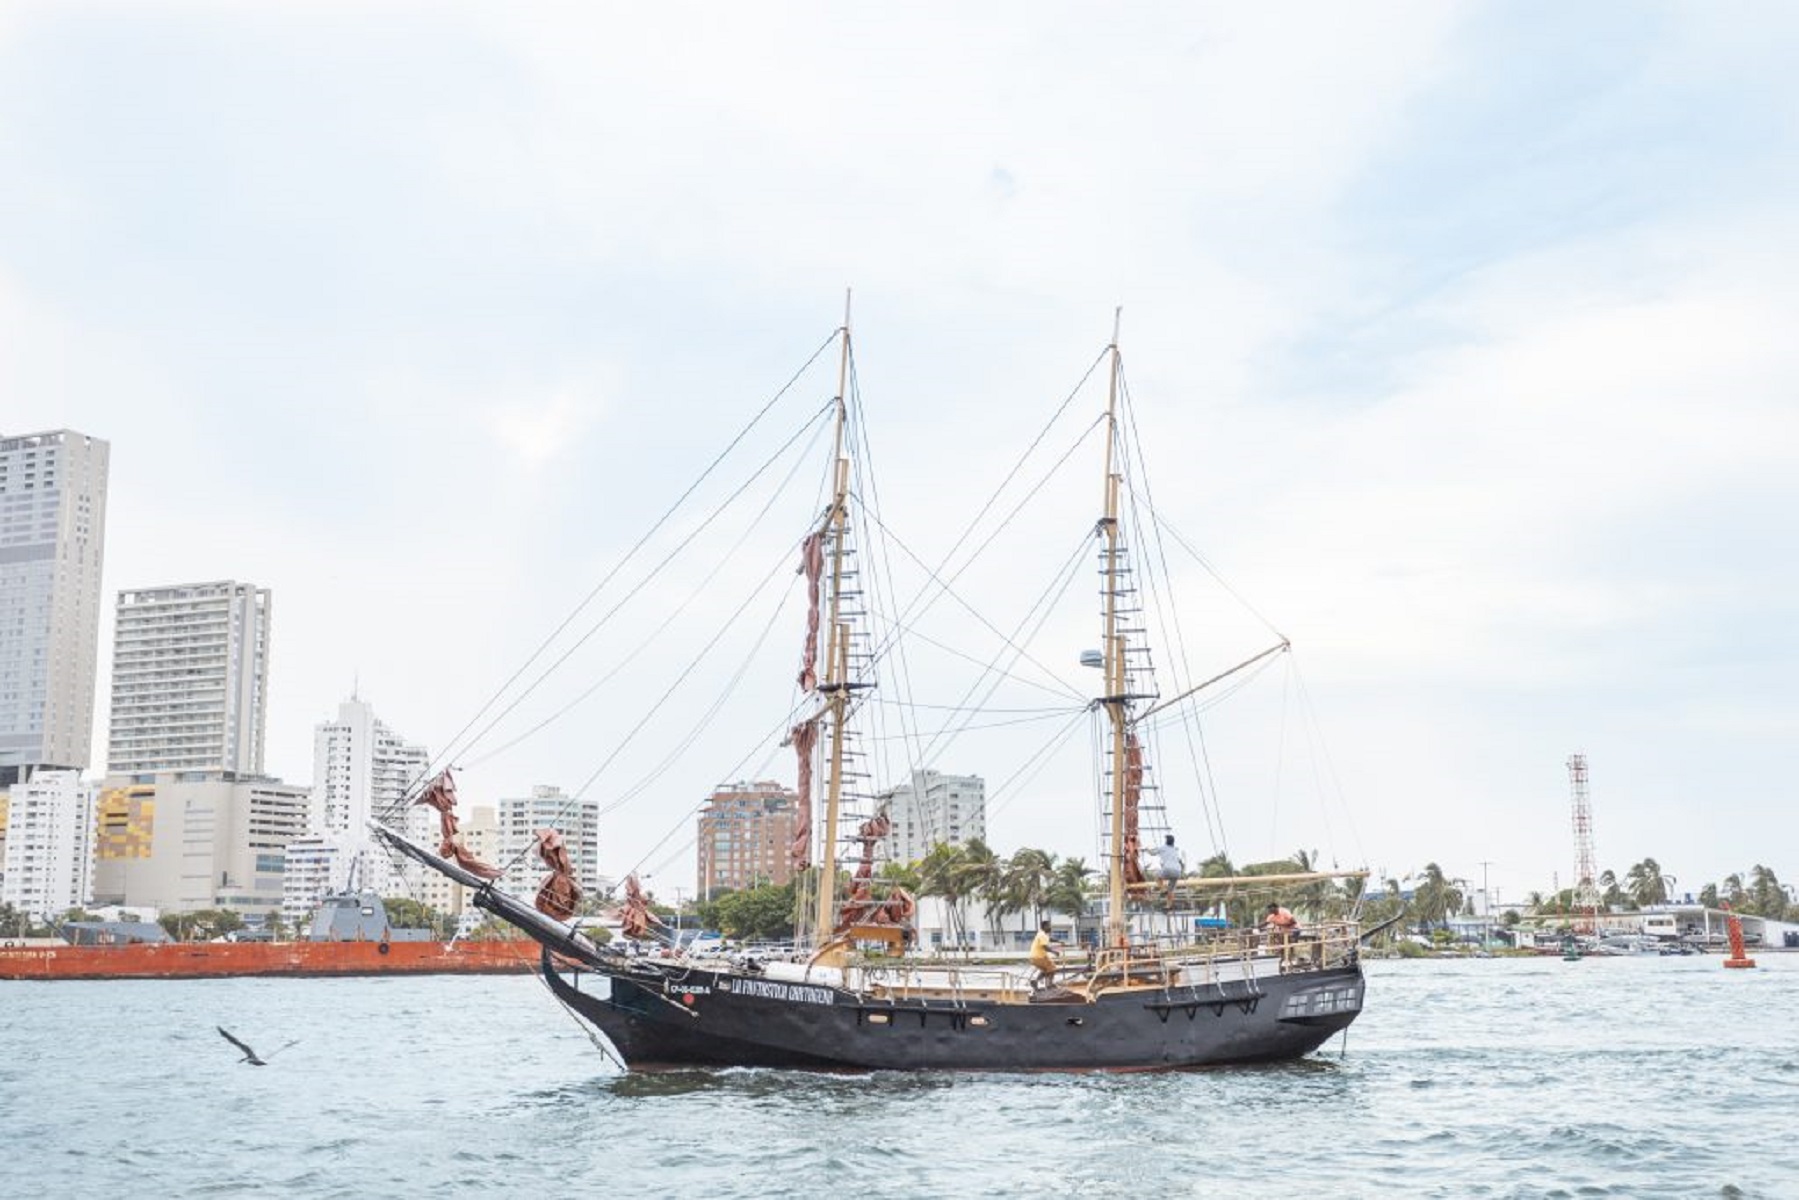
(203, 960)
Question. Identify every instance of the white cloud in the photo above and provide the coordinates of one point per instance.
(539, 433)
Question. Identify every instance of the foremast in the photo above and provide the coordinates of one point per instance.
(833, 687)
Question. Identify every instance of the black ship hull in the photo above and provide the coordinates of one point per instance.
(659, 1019)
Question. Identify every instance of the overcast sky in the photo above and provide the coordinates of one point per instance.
(1464, 333)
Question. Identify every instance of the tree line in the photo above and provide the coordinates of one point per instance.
(1028, 881)
(1758, 892)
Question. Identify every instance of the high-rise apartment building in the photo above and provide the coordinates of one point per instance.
(189, 680)
(744, 835)
(361, 770)
(48, 865)
(934, 808)
(577, 820)
(52, 538)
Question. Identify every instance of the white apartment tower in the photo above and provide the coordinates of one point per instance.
(576, 819)
(361, 770)
(932, 808)
(49, 862)
(52, 535)
(189, 680)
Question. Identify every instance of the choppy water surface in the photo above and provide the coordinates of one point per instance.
(1620, 1077)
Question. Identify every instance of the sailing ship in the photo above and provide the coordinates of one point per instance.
(861, 993)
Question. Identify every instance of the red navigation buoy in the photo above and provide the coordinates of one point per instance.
(1734, 925)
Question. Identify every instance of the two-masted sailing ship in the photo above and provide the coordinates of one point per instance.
(861, 993)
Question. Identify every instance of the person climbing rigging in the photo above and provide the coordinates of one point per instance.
(1170, 866)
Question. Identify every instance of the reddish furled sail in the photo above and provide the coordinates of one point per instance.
(559, 894)
(440, 794)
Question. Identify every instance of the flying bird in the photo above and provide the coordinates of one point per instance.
(250, 1055)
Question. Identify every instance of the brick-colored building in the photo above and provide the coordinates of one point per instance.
(745, 830)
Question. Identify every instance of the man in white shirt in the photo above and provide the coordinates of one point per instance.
(1170, 866)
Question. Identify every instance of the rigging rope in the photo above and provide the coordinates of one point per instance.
(700, 590)
(448, 753)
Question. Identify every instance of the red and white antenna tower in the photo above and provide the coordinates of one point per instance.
(1586, 872)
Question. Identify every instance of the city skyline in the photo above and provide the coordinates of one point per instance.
(1460, 331)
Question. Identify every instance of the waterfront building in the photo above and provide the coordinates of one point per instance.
(361, 770)
(52, 538)
(189, 680)
(745, 832)
(311, 863)
(179, 843)
(47, 867)
(575, 818)
(933, 808)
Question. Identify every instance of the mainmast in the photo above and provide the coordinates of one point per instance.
(835, 683)
(1114, 698)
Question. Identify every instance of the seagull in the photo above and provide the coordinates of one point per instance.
(249, 1054)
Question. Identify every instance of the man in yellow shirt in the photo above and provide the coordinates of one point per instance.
(1043, 954)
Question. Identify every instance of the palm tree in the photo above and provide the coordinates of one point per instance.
(1217, 867)
(1025, 881)
(1766, 896)
(1610, 894)
(942, 873)
(1068, 890)
(906, 875)
(1317, 899)
(1646, 885)
(981, 875)
(1436, 897)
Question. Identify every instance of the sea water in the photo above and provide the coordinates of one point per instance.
(1630, 1077)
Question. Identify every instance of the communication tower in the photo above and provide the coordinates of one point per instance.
(1586, 874)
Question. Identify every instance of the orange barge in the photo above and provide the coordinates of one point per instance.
(350, 936)
(204, 960)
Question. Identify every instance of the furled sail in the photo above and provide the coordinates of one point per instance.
(804, 737)
(1133, 796)
(812, 565)
(559, 894)
(897, 907)
(634, 915)
(440, 794)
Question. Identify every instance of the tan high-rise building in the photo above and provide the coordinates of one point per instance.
(52, 537)
(744, 837)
